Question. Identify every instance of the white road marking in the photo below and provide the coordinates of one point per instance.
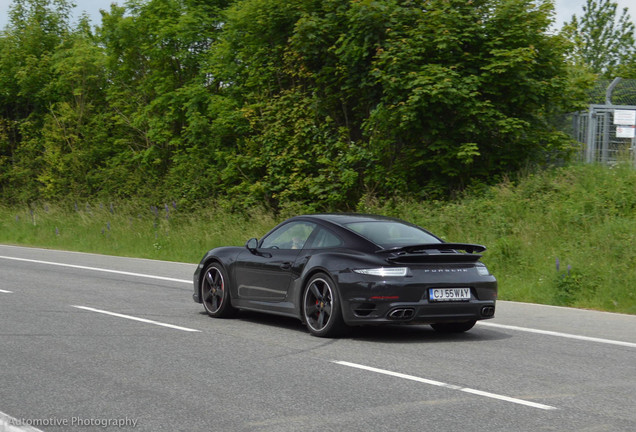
(559, 334)
(448, 386)
(98, 269)
(11, 424)
(135, 318)
(489, 324)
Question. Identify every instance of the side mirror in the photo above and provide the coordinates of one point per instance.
(252, 244)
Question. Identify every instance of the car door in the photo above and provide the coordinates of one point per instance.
(265, 274)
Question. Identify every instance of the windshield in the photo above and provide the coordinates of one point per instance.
(390, 234)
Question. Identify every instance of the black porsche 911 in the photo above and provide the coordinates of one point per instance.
(332, 271)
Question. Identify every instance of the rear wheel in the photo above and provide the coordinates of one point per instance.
(321, 307)
(215, 292)
(456, 327)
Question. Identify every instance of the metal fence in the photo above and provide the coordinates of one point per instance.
(606, 130)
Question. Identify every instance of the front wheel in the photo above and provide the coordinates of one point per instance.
(321, 307)
(215, 292)
(456, 327)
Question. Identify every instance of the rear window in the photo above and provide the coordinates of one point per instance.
(324, 239)
(389, 234)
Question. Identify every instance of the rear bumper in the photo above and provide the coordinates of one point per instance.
(364, 313)
(406, 301)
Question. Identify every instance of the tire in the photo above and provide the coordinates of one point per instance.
(456, 327)
(322, 312)
(215, 293)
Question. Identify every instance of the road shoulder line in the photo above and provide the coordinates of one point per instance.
(97, 269)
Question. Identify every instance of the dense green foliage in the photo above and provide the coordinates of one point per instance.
(304, 102)
(562, 237)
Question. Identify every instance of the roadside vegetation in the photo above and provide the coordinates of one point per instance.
(267, 102)
(174, 126)
(564, 236)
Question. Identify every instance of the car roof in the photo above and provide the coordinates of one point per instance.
(345, 218)
(339, 222)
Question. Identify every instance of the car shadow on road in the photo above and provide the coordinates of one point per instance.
(271, 320)
(384, 333)
(422, 333)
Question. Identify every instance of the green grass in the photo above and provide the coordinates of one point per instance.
(128, 230)
(581, 217)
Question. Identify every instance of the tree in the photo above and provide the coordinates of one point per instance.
(75, 134)
(601, 40)
(317, 102)
(414, 98)
(27, 47)
(159, 95)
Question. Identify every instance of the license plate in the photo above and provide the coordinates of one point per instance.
(449, 294)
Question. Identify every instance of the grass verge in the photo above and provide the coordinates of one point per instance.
(563, 237)
(156, 232)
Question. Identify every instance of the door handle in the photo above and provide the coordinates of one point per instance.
(286, 265)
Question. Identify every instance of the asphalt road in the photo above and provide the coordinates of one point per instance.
(83, 349)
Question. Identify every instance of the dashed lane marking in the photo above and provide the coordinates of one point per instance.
(133, 318)
(448, 386)
(12, 424)
(559, 334)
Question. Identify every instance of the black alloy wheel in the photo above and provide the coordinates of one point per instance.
(215, 292)
(321, 307)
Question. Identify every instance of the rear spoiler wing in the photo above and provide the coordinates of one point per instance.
(435, 248)
(434, 252)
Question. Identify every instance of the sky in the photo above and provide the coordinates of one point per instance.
(91, 7)
(564, 9)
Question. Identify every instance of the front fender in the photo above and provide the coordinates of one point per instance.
(226, 256)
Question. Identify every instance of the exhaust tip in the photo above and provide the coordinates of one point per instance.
(401, 314)
(488, 311)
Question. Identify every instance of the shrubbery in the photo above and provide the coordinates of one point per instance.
(324, 103)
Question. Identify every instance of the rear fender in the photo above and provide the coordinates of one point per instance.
(332, 264)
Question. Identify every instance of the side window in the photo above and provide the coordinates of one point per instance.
(324, 239)
(293, 235)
